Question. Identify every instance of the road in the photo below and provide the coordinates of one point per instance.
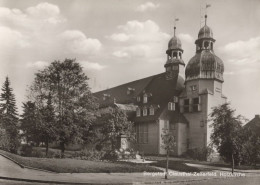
(229, 181)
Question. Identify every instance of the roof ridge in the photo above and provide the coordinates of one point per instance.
(124, 84)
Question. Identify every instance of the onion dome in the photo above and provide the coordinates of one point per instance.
(205, 32)
(174, 64)
(205, 64)
(174, 51)
(174, 43)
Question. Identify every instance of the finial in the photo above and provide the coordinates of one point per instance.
(206, 19)
(175, 20)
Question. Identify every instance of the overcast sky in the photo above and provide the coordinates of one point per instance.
(118, 41)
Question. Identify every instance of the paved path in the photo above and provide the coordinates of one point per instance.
(10, 170)
(222, 168)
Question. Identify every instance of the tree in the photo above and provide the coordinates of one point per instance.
(9, 115)
(114, 124)
(169, 143)
(225, 136)
(29, 120)
(4, 140)
(72, 101)
(48, 124)
(250, 141)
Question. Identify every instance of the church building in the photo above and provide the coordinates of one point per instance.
(179, 99)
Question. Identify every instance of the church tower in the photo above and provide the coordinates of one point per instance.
(203, 88)
(174, 65)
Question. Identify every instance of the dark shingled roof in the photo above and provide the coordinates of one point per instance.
(160, 92)
(119, 93)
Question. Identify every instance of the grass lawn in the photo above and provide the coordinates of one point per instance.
(80, 166)
(178, 166)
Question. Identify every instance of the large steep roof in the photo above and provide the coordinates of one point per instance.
(159, 89)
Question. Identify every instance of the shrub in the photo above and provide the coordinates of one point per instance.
(92, 155)
(200, 154)
(26, 150)
(111, 156)
(37, 153)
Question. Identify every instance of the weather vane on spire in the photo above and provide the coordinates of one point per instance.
(175, 21)
(207, 6)
(205, 16)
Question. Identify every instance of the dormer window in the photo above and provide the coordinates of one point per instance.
(171, 106)
(175, 99)
(138, 112)
(145, 100)
(106, 96)
(151, 110)
(138, 98)
(144, 111)
(130, 90)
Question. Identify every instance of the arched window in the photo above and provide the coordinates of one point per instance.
(175, 54)
(206, 44)
(138, 112)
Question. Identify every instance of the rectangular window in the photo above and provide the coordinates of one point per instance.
(145, 112)
(186, 102)
(186, 105)
(171, 106)
(138, 99)
(166, 124)
(151, 111)
(145, 99)
(138, 112)
(143, 133)
(195, 101)
(196, 104)
(175, 99)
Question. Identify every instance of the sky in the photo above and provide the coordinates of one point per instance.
(118, 41)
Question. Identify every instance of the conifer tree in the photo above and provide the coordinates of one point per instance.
(9, 115)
